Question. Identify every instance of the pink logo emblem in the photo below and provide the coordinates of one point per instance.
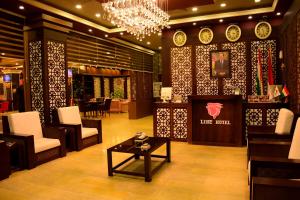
(214, 109)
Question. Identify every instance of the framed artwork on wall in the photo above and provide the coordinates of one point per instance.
(220, 64)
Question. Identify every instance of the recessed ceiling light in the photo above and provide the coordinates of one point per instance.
(223, 4)
(159, 34)
(250, 17)
(278, 14)
(194, 9)
(21, 7)
(107, 53)
(106, 35)
(148, 43)
(159, 48)
(98, 15)
(121, 33)
(2, 54)
(78, 6)
(168, 26)
(256, 1)
(90, 30)
(17, 63)
(221, 20)
(194, 23)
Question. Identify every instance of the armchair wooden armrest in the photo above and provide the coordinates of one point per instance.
(275, 189)
(27, 144)
(57, 133)
(268, 135)
(90, 123)
(271, 148)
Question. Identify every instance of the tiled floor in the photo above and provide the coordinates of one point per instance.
(196, 172)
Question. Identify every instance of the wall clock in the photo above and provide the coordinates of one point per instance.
(233, 33)
(206, 35)
(179, 38)
(263, 30)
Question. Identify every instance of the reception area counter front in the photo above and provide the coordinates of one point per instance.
(215, 120)
(211, 120)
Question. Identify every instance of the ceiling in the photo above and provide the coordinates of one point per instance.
(180, 12)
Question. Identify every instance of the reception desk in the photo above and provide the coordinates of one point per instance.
(215, 120)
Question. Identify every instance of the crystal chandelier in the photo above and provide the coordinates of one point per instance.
(138, 17)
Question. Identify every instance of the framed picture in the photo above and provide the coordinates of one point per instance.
(220, 64)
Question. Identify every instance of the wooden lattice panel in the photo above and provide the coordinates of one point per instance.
(272, 116)
(205, 85)
(119, 86)
(254, 117)
(264, 47)
(36, 77)
(238, 68)
(180, 123)
(56, 75)
(298, 62)
(181, 71)
(163, 122)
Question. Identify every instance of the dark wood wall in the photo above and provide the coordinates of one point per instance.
(290, 39)
(195, 55)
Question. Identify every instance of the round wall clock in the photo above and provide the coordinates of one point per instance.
(263, 30)
(233, 33)
(179, 38)
(206, 35)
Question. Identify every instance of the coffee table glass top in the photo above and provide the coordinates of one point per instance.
(130, 146)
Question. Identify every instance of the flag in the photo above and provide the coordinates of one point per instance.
(270, 72)
(285, 91)
(276, 92)
(259, 81)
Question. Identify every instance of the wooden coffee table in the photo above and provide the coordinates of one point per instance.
(130, 147)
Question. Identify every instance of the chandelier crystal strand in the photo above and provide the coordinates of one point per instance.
(138, 17)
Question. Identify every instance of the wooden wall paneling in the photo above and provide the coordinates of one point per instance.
(181, 71)
(203, 71)
(298, 62)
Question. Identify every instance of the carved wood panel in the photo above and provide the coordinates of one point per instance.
(163, 122)
(205, 85)
(180, 123)
(181, 71)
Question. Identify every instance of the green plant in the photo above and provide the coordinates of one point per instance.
(118, 94)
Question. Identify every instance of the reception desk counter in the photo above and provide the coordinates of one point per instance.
(215, 120)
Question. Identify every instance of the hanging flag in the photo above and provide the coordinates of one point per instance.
(285, 91)
(270, 72)
(259, 80)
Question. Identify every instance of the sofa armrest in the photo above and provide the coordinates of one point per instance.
(57, 133)
(26, 142)
(90, 123)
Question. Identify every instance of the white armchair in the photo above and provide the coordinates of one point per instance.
(87, 132)
(41, 144)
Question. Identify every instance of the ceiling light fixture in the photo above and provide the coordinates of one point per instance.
(256, 1)
(148, 43)
(78, 6)
(159, 33)
(194, 23)
(90, 30)
(194, 9)
(278, 14)
(21, 7)
(121, 33)
(159, 48)
(2, 54)
(98, 15)
(138, 17)
(250, 17)
(106, 35)
(221, 20)
(223, 4)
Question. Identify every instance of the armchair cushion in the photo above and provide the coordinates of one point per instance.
(69, 115)
(284, 122)
(30, 124)
(43, 144)
(87, 132)
(295, 146)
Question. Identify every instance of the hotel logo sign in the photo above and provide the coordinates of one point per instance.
(214, 109)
